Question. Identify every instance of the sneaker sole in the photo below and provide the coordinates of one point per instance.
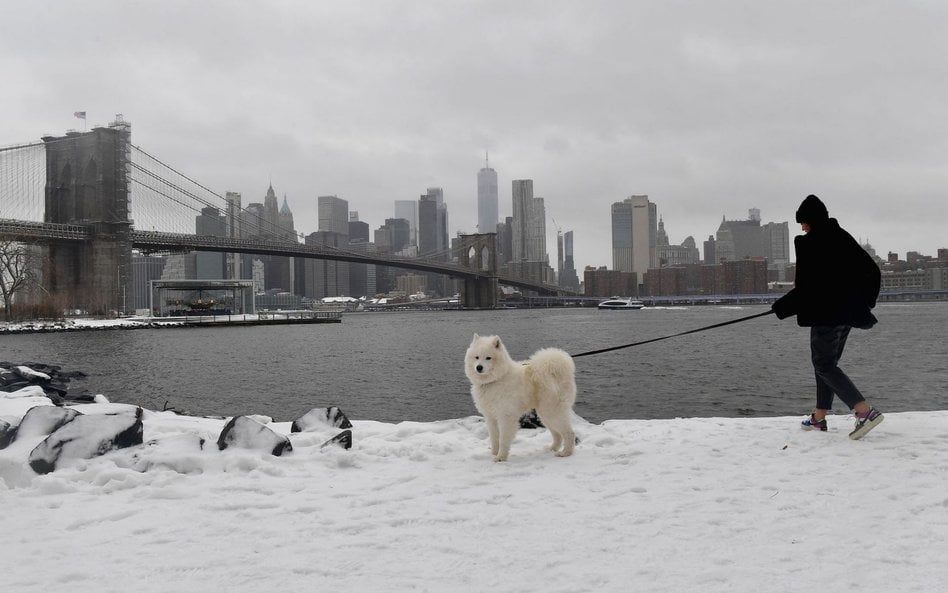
(866, 427)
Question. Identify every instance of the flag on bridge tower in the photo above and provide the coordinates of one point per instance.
(79, 114)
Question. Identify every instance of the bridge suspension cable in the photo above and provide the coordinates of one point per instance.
(159, 183)
(23, 182)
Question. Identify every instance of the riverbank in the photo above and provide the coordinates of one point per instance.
(689, 504)
(137, 322)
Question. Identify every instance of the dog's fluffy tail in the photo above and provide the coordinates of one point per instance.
(553, 370)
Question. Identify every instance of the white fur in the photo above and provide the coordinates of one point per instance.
(504, 390)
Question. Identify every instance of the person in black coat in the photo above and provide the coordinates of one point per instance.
(836, 288)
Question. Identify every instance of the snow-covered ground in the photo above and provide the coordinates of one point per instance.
(703, 505)
(82, 323)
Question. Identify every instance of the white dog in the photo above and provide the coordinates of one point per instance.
(504, 390)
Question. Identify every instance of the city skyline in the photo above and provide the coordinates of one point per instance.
(710, 111)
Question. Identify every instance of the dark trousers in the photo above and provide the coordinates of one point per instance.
(826, 347)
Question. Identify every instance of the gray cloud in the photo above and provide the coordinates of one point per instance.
(710, 108)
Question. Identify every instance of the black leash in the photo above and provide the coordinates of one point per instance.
(690, 331)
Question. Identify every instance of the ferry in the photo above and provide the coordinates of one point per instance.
(620, 303)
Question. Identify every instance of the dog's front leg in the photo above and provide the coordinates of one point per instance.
(508, 429)
(494, 435)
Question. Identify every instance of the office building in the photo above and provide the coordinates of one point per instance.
(408, 210)
(566, 266)
(634, 235)
(742, 239)
(210, 265)
(487, 199)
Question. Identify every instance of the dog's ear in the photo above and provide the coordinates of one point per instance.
(497, 342)
(474, 338)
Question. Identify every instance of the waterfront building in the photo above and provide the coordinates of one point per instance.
(928, 278)
(634, 235)
(605, 283)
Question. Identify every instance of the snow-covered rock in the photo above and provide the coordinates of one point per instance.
(321, 417)
(247, 433)
(44, 420)
(85, 437)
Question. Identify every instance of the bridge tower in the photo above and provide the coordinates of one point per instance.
(479, 252)
(87, 183)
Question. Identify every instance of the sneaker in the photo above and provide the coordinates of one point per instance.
(812, 423)
(865, 423)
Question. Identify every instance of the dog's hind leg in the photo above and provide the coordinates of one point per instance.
(564, 439)
(557, 439)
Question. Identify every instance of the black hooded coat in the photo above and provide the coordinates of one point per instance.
(837, 283)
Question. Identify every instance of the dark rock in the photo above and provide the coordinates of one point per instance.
(331, 416)
(88, 436)
(31, 374)
(15, 385)
(7, 433)
(247, 433)
(531, 420)
(55, 386)
(48, 376)
(343, 439)
(44, 420)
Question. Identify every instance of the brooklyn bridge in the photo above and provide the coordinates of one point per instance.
(90, 198)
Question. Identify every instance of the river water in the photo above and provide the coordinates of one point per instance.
(398, 366)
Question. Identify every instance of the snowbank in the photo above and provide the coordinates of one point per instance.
(730, 505)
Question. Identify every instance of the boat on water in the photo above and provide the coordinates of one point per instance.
(620, 303)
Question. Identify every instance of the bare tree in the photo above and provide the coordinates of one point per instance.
(16, 273)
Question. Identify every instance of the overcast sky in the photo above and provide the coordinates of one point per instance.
(709, 107)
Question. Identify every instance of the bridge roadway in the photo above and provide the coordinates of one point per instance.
(152, 241)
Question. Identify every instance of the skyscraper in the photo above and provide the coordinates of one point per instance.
(408, 210)
(530, 259)
(433, 224)
(331, 277)
(271, 214)
(232, 219)
(566, 269)
(285, 222)
(333, 214)
(529, 224)
(210, 265)
(487, 216)
(634, 234)
(427, 225)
